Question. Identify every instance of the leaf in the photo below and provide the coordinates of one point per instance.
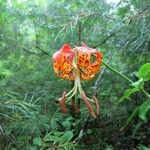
(66, 137)
(66, 124)
(134, 113)
(128, 93)
(50, 137)
(37, 141)
(53, 136)
(57, 133)
(54, 123)
(139, 84)
(142, 147)
(144, 109)
(144, 72)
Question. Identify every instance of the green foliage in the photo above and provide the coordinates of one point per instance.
(144, 72)
(37, 141)
(144, 108)
(131, 117)
(55, 139)
(142, 147)
(138, 85)
(30, 32)
(128, 93)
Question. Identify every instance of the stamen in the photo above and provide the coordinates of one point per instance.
(75, 107)
(74, 92)
(96, 104)
(62, 102)
(70, 91)
(88, 105)
(91, 100)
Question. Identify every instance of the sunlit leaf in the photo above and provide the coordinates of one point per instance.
(145, 107)
(144, 72)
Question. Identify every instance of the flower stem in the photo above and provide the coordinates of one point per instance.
(124, 77)
(115, 71)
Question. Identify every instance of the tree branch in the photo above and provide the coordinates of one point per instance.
(25, 49)
(130, 18)
(104, 40)
(43, 51)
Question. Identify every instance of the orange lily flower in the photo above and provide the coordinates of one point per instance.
(79, 63)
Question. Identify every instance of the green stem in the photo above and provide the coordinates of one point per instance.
(70, 91)
(123, 76)
(147, 94)
(115, 71)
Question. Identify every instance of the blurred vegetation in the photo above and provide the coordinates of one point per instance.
(31, 31)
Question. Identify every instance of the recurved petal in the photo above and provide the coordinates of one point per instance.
(66, 48)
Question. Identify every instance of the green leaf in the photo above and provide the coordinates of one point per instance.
(128, 93)
(139, 84)
(145, 107)
(66, 124)
(50, 137)
(37, 141)
(142, 147)
(134, 113)
(144, 72)
(54, 123)
(57, 133)
(66, 137)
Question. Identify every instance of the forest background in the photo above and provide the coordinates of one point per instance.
(31, 32)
